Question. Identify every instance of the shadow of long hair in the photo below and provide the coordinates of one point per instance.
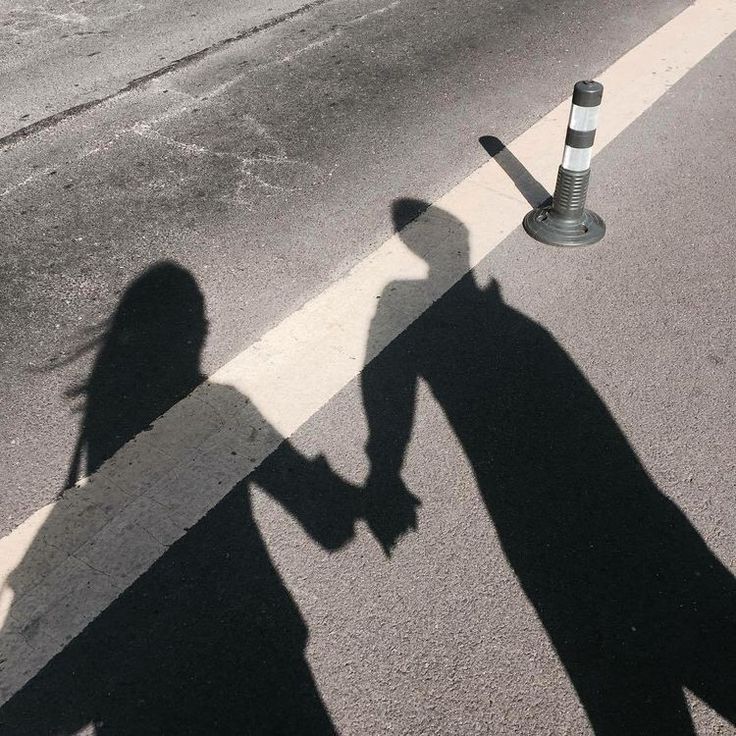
(148, 359)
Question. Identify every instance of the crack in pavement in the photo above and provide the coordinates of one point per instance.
(52, 120)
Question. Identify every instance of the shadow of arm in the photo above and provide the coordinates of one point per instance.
(389, 396)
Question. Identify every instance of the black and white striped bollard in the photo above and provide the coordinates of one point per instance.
(566, 221)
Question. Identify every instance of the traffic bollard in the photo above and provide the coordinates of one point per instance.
(566, 222)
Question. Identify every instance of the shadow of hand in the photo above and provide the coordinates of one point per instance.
(337, 506)
(390, 509)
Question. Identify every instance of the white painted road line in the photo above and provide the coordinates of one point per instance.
(122, 519)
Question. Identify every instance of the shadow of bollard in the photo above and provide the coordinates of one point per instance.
(530, 188)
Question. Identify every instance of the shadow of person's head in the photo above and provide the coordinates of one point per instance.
(161, 314)
(148, 359)
(438, 238)
(442, 241)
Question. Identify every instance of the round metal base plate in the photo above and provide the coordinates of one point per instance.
(543, 226)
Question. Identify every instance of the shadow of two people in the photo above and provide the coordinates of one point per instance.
(209, 640)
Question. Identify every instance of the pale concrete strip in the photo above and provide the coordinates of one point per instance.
(108, 530)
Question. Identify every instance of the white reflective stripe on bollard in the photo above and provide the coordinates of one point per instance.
(583, 119)
(577, 159)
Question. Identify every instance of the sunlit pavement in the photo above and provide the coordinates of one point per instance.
(558, 426)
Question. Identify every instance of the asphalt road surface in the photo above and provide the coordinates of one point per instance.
(559, 424)
(267, 170)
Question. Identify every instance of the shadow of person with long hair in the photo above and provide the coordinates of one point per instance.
(209, 639)
(635, 604)
(148, 359)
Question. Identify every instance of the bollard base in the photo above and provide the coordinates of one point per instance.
(544, 225)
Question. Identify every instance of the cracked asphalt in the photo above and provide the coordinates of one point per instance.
(267, 170)
(569, 432)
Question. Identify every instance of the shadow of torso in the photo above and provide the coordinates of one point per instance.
(633, 600)
(209, 639)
